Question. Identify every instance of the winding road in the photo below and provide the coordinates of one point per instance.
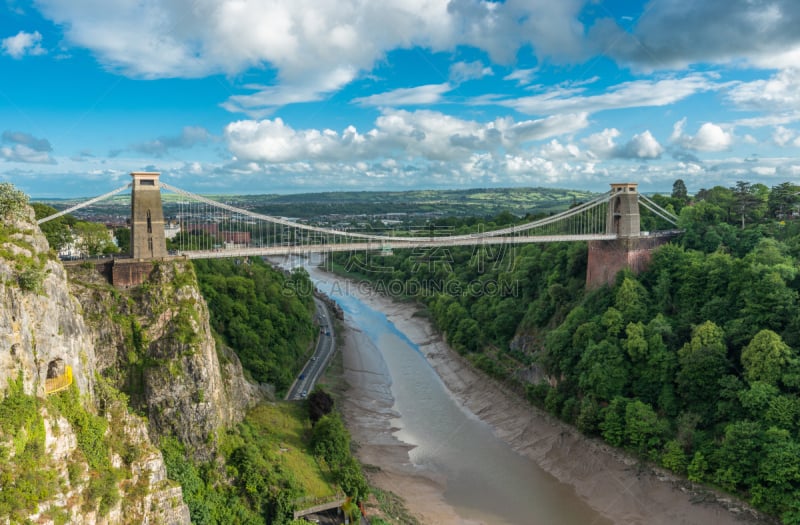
(314, 367)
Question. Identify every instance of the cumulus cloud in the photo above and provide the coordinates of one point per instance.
(23, 147)
(188, 138)
(419, 95)
(420, 134)
(641, 146)
(676, 33)
(710, 137)
(22, 44)
(637, 93)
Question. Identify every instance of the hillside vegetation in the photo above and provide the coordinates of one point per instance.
(255, 310)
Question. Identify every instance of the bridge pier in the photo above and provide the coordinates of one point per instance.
(630, 250)
(608, 258)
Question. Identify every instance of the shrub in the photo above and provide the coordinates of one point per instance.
(13, 203)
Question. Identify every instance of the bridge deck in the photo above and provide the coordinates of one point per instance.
(432, 242)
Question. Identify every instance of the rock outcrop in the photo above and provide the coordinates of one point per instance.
(41, 327)
(161, 352)
(151, 342)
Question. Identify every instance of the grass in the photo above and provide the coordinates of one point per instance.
(284, 428)
(393, 508)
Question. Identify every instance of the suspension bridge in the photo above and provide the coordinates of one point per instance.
(205, 228)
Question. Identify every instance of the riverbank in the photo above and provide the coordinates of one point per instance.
(617, 486)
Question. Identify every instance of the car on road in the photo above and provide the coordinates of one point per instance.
(302, 376)
(304, 393)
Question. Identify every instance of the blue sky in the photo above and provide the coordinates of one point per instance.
(278, 96)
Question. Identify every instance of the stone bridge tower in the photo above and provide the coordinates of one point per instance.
(148, 242)
(630, 249)
(623, 211)
(147, 218)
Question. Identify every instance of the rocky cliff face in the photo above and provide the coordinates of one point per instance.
(159, 349)
(41, 327)
(80, 455)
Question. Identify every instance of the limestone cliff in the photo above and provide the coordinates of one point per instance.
(77, 455)
(154, 341)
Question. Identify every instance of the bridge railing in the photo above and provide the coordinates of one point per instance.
(58, 383)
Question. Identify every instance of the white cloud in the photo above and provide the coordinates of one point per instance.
(22, 44)
(638, 93)
(419, 95)
(710, 137)
(782, 136)
(602, 144)
(267, 99)
(768, 120)
(522, 76)
(23, 153)
(779, 93)
(556, 150)
(23, 147)
(298, 38)
(464, 71)
(641, 146)
(313, 47)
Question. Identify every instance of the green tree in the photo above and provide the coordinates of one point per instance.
(738, 455)
(603, 370)
(698, 467)
(702, 362)
(57, 231)
(631, 300)
(679, 190)
(766, 358)
(352, 480)
(673, 457)
(783, 199)
(330, 440)
(123, 236)
(643, 430)
(613, 425)
(778, 472)
(748, 198)
(93, 238)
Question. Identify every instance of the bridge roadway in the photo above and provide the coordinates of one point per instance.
(418, 242)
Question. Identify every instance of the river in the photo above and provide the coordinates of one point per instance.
(481, 478)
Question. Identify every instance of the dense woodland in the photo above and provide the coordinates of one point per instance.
(693, 364)
(256, 310)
